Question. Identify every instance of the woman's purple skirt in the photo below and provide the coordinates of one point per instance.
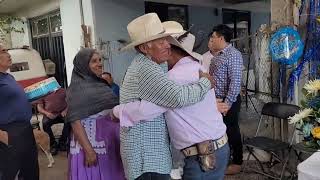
(109, 165)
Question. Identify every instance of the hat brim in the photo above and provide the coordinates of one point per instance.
(136, 43)
(195, 55)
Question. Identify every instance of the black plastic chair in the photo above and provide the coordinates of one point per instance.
(299, 149)
(269, 145)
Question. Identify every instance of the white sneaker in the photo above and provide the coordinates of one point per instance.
(176, 173)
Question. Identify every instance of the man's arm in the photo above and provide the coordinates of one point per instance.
(154, 86)
(45, 112)
(234, 74)
(133, 112)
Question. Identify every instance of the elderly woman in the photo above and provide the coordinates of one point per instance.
(94, 146)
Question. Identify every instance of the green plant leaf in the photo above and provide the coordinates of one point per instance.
(6, 24)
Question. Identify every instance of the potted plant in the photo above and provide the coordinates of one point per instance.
(308, 119)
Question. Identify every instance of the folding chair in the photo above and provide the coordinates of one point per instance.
(299, 149)
(272, 146)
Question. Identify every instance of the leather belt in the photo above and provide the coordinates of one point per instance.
(218, 143)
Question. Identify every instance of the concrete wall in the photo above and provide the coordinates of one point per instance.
(108, 20)
(111, 19)
(71, 27)
(203, 19)
(111, 26)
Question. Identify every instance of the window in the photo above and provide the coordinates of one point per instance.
(23, 66)
(56, 25)
(47, 39)
(240, 22)
(43, 26)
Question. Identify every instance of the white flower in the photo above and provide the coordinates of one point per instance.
(312, 86)
(300, 116)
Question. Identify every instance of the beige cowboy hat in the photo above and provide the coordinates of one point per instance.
(148, 27)
(184, 40)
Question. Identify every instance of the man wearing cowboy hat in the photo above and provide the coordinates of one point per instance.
(145, 146)
(192, 129)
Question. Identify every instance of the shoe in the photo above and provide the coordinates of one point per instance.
(54, 149)
(233, 169)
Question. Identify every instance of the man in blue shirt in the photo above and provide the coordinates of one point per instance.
(18, 150)
(226, 69)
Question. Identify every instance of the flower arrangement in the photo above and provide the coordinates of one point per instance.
(308, 119)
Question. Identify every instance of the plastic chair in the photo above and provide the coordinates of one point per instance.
(272, 146)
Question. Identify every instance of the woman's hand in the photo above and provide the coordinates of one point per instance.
(107, 77)
(90, 158)
(80, 134)
(113, 117)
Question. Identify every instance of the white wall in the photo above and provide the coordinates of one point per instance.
(111, 19)
(203, 19)
(71, 27)
(21, 39)
(258, 18)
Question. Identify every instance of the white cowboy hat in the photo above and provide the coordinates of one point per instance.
(184, 40)
(148, 27)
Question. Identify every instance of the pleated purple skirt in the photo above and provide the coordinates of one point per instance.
(103, 135)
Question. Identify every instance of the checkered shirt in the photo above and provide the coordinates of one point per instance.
(145, 146)
(226, 69)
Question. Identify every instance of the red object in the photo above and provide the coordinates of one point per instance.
(28, 82)
(55, 102)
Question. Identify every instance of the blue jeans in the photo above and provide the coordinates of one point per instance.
(193, 171)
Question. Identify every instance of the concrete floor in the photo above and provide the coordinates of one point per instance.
(59, 171)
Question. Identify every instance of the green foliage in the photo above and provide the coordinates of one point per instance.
(6, 24)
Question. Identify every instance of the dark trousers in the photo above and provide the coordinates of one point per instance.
(153, 176)
(47, 123)
(21, 155)
(233, 131)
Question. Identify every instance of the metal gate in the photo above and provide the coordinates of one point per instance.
(47, 39)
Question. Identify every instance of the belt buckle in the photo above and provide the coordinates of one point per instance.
(211, 147)
(221, 141)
